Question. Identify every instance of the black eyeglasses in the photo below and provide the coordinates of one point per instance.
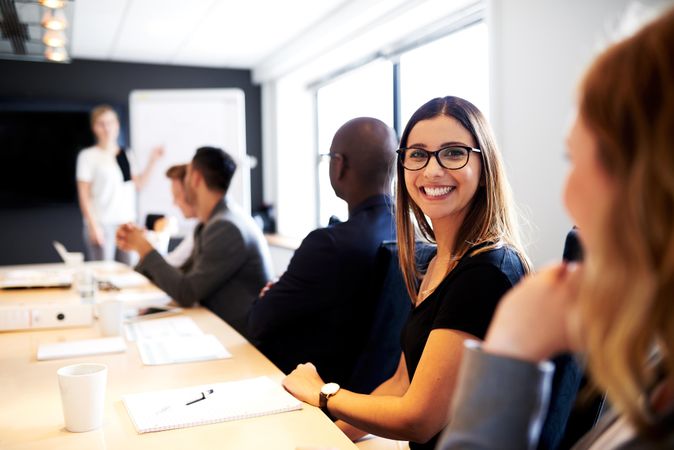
(453, 157)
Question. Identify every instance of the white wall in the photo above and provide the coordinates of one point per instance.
(289, 134)
(539, 49)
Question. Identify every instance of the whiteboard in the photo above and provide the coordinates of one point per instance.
(182, 121)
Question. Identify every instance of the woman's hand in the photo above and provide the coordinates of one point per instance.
(304, 383)
(533, 320)
(96, 235)
(157, 153)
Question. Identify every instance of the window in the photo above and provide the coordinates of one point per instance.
(453, 64)
(365, 91)
(456, 64)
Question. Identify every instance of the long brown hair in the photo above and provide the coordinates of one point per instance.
(626, 302)
(491, 218)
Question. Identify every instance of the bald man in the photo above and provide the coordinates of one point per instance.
(318, 310)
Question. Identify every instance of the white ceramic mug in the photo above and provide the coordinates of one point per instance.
(83, 395)
(110, 317)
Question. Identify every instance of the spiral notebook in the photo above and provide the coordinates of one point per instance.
(206, 404)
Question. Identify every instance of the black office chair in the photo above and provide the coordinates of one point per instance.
(380, 356)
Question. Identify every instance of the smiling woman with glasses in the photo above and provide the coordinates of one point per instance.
(462, 204)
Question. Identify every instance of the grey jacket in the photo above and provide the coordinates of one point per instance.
(500, 403)
(229, 265)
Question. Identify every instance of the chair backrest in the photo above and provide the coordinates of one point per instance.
(565, 385)
(380, 356)
(569, 417)
(568, 374)
(585, 414)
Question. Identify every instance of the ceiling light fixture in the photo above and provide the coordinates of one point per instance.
(54, 24)
(56, 54)
(53, 4)
(53, 38)
(54, 20)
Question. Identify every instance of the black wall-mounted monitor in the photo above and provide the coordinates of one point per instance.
(38, 153)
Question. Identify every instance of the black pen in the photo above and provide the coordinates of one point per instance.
(203, 397)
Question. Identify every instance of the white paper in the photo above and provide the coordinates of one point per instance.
(168, 409)
(72, 349)
(181, 350)
(142, 299)
(170, 327)
(126, 280)
(27, 278)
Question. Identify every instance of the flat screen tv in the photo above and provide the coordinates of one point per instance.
(38, 152)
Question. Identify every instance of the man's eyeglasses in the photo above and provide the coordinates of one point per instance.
(329, 155)
(453, 158)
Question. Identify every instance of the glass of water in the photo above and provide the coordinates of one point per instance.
(86, 284)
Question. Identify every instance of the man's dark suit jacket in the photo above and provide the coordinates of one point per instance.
(229, 265)
(318, 311)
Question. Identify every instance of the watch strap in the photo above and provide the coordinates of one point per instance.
(323, 401)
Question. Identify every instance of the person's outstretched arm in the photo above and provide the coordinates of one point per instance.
(223, 254)
(416, 415)
(396, 386)
(141, 179)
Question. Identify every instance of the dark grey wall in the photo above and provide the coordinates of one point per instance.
(26, 235)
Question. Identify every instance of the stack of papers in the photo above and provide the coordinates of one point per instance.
(181, 350)
(174, 340)
(142, 299)
(170, 327)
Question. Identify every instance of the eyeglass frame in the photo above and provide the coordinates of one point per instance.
(401, 156)
(330, 155)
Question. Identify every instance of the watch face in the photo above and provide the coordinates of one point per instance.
(330, 389)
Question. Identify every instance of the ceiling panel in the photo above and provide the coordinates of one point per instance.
(35, 32)
(153, 30)
(34, 48)
(29, 12)
(240, 34)
(95, 27)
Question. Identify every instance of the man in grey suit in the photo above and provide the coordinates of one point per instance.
(230, 261)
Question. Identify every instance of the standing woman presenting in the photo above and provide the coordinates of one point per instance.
(450, 181)
(107, 180)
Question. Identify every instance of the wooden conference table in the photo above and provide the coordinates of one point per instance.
(31, 415)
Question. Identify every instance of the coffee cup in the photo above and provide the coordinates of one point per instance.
(82, 389)
(110, 317)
